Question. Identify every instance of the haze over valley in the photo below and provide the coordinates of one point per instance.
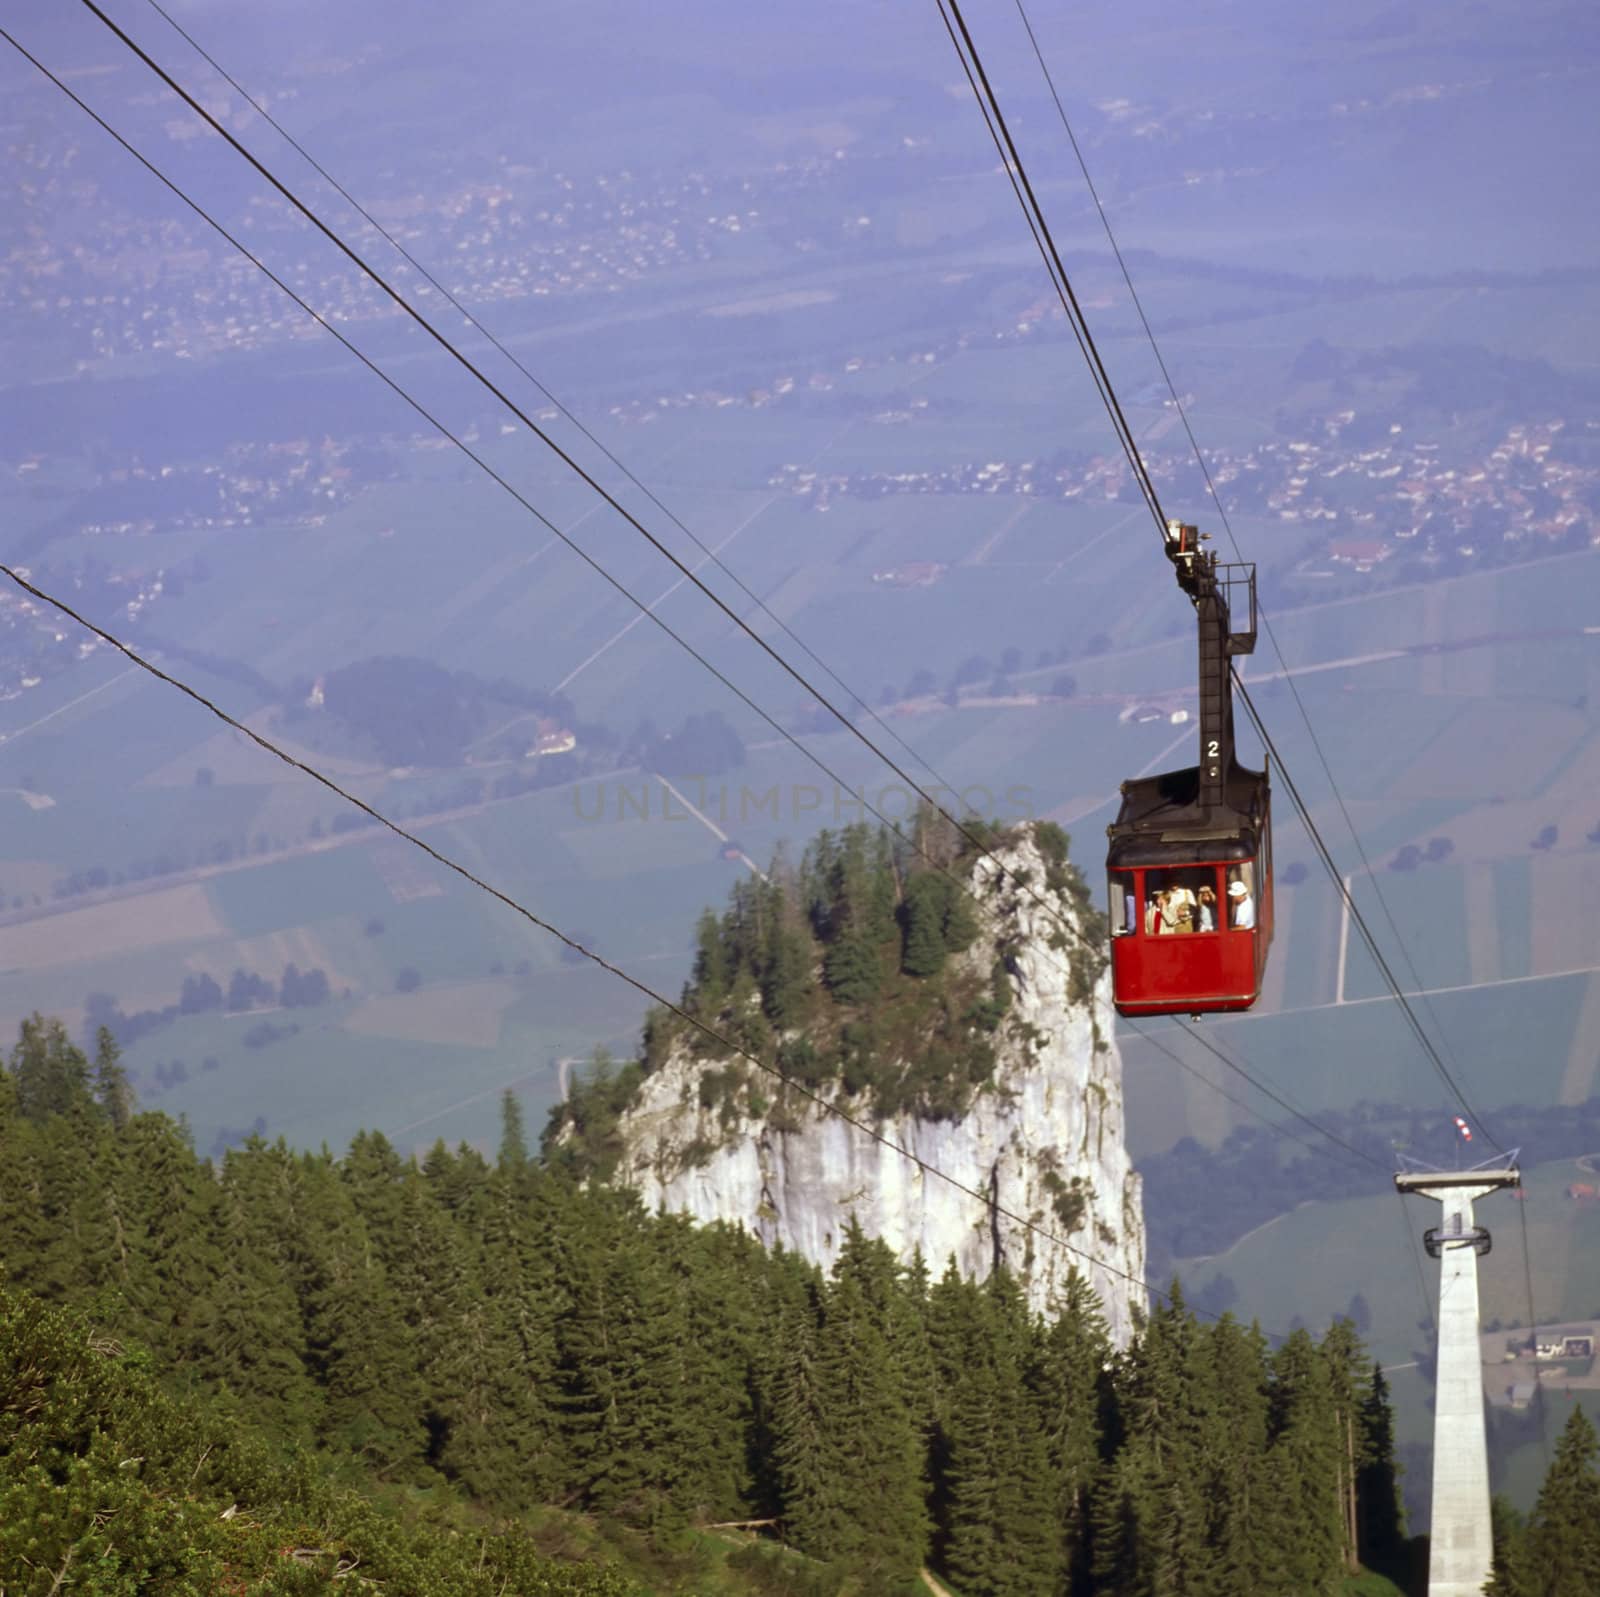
(768, 263)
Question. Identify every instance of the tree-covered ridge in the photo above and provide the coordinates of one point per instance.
(490, 1335)
(868, 966)
(409, 711)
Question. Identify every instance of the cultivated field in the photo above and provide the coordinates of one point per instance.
(468, 1014)
(171, 915)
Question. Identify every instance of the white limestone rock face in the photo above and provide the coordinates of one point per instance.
(1043, 1138)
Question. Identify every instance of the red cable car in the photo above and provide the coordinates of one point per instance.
(1190, 857)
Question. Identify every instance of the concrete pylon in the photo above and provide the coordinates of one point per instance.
(1461, 1546)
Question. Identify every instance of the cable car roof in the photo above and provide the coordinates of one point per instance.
(1162, 822)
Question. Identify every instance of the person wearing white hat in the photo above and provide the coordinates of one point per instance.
(1243, 907)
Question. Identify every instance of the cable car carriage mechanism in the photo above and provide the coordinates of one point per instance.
(1443, 1239)
(1190, 856)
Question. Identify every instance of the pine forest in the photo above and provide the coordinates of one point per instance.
(464, 1376)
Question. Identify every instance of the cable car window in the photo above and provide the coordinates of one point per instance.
(1181, 899)
(1242, 896)
(1122, 904)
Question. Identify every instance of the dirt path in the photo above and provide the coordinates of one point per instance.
(71, 704)
(980, 556)
(709, 824)
(1239, 1242)
(931, 1581)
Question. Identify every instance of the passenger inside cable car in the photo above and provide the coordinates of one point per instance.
(1185, 899)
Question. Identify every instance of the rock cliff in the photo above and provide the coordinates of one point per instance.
(1042, 1135)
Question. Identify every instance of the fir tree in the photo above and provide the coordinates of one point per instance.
(847, 1438)
(1069, 1380)
(998, 1537)
(254, 1343)
(713, 1359)
(354, 1337)
(513, 1156)
(922, 918)
(1235, 1453)
(104, 1224)
(1152, 1524)
(53, 1224)
(432, 1279)
(1341, 1350)
(458, 1182)
(786, 963)
(783, 1295)
(709, 984)
(853, 968)
(960, 925)
(626, 1409)
(112, 1090)
(814, 1508)
(744, 935)
(1303, 1521)
(1510, 1532)
(873, 1442)
(1122, 1513)
(854, 910)
(176, 1252)
(505, 1442)
(1561, 1551)
(50, 1076)
(883, 884)
(1380, 1523)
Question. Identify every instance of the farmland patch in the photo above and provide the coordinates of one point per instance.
(466, 1014)
(174, 914)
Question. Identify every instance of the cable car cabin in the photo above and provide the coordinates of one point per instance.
(1190, 857)
(1190, 895)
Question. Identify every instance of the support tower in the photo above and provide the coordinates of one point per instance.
(1461, 1545)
